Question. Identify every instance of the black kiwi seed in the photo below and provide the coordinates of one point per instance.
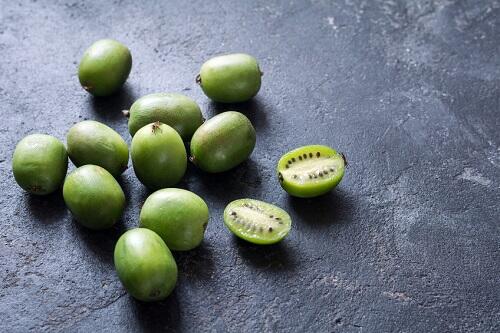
(305, 155)
(310, 154)
(280, 176)
(289, 162)
(233, 213)
(332, 169)
(277, 218)
(293, 159)
(295, 176)
(287, 166)
(310, 176)
(271, 216)
(320, 174)
(318, 154)
(270, 229)
(325, 172)
(300, 158)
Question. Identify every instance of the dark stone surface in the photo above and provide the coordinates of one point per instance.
(409, 90)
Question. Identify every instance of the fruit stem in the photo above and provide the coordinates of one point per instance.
(126, 113)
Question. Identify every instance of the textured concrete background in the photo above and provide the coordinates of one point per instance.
(409, 90)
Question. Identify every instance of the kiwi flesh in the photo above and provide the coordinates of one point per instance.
(256, 221)
(310, 171)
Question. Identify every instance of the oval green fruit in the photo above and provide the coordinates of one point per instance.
(158, 156)
(105, 67)
(223, 142)
(145, 265)
(40, 163)
(91, 142)
(230, 78)
(94, 197)
(310, 171)
(257, 221)
(178, 216)
(176, 110)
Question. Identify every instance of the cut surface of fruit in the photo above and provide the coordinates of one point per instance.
(256, 221)
(310, 171)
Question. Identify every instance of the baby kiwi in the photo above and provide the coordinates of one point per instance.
(256, 221)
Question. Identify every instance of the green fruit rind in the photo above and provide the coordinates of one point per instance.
(40, 163)
(230, 78)
(223, 142)
(257, 221)
(176, 110)
(310, 180)
(145, 265)
(104, 67)
(94, 197)
(91, 142)
(178, 216)
(158, 155)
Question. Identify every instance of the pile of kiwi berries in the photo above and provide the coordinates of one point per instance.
(160, 124)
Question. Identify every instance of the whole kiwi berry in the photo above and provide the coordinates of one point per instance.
(158, 156)
(230, 78)
(94, 197)
(180, 217)
(40, 163)
(176, 110)
(105, 67)
(145, 265)
(223, 142)
(91, 142)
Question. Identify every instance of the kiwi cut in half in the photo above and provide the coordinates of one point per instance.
(310, 171)
(256, 221)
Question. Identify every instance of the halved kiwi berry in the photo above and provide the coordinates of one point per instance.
(256, 221)
(310, 171)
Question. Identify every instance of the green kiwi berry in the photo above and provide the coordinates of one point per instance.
(158, 156)
(230, 78)
(223, 142)
(176, 110)
(256, 221)
(105, 67)
(91, 142)
(310, 171)
(94, 197)
(145, 265)
(40, 163)
(178, 216)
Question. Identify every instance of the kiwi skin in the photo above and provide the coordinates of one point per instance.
(176, 110)
(178, 216)
(91, 142)
(317, 186)
(274, 230)
(223, 142)
(230, 78)
(158, 155)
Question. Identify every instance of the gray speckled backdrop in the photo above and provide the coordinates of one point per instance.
(409, 90)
